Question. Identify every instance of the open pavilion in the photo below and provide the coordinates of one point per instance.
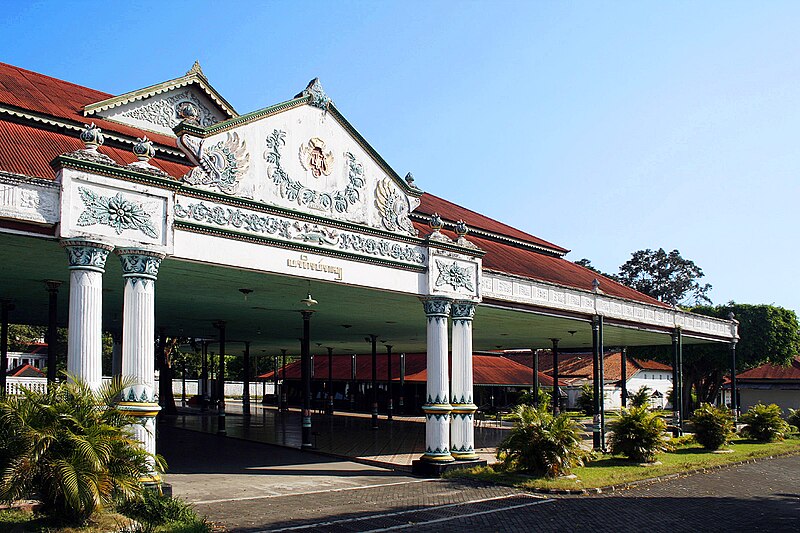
(275, 227)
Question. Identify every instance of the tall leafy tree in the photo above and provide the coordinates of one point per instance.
(667, 277)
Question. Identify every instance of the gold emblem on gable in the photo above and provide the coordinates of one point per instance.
(315, 159)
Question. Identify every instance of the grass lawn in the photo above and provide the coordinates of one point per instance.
(614, 470)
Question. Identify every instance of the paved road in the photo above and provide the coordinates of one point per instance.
(276, 489)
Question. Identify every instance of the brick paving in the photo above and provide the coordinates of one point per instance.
(249, 486)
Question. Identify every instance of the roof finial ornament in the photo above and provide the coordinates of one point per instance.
(596, 286)
(317, 93)
(410, 180)
(92, 136)
(462, 230)
(144, 150)
(436, 223)
(196, 70)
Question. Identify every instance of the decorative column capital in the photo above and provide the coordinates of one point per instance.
(138, 263)
(462, 310)
(86, 255)
(437, 306)
(52, 285)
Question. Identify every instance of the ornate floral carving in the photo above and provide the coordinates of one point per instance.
(222, 165)
(295, 191)
(294, 230)
(86, 255)
(168, 112)
(393, 207)
(314, 158)
(454, 275)
(139, 263)
(116, 212)
(436, 307)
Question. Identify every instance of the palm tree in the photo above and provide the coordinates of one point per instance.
(641, 398)
(72, 448)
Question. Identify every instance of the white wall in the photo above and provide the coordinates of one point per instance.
(782, 397)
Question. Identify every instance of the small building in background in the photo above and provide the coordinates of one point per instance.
(770, 384)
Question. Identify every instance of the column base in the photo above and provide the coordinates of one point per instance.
(464, 456)
(425, 468)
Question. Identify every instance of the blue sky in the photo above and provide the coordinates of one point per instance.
(605, 127)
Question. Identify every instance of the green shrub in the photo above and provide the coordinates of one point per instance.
(794, 418)
(713, 426)
(639, 435)
(764, 423)
(641, 398)
(72, 448)
(526, 398)
(153, 509)
(542, 444)
(586, 399)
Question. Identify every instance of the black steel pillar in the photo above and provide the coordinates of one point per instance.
(161, 365)
(329, 410)
(52, 328)
(400, 404)
(602, 377)
(353, 382)
(220, 325)
(305, 370)
(284, 387)
(204, 399)
(623, 356)
(389, 404)
(535, 370)
(275, 391)
(374, 340)
(246, 384)
(556, 388)
(5, 307)
(677, 395)
(183, 382)
(734, 388)
(597, 443)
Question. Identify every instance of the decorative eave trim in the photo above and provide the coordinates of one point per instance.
(453, 247)
(202, 194)
(449, 225)
(29, 116)
(235, 235)
(220, 127)
(118, 171)
(240, 120)
(24, 178)
(162, 87)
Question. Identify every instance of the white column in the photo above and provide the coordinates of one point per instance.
(462, 431)
(87, 261)
(437, 407)
(140, 269)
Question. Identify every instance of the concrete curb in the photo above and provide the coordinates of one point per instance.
(657, 479)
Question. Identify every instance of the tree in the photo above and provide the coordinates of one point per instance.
(72, 448)
(641, 398)
(668, 277)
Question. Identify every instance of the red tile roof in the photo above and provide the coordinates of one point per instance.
(25, 371)
(487, 370)
(579, 365)
(773, 372)
(430, 204)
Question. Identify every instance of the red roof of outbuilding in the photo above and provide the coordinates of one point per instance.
(25, 371)
(579, 365)
(773, 372)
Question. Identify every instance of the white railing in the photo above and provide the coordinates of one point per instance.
(14, 385)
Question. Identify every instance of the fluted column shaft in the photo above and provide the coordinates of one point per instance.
(462, 431)
(140, 269)
(87, 261)
(437, 407)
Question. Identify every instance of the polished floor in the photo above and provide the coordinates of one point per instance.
(395, 444)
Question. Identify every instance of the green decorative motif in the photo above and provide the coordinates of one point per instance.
(462, 449)
(454, 275)
(139, 263)
(116, 212)
(438, 400)
(222, 165)
(293, 190)
(234, 217)
(436, 307)
(437, 451)
(86, 255)
(463, 310)
(145, 396)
